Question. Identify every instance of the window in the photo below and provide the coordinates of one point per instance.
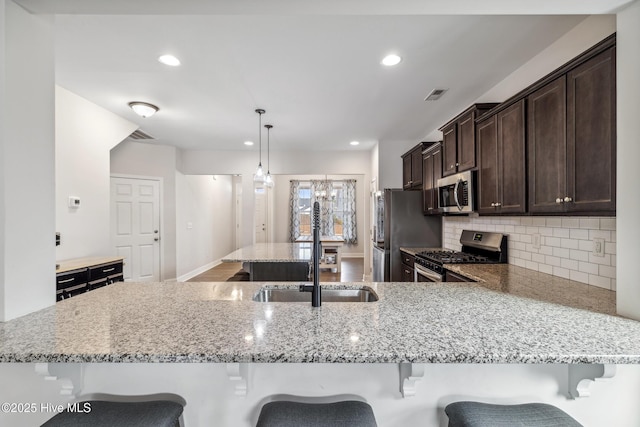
(337, 208)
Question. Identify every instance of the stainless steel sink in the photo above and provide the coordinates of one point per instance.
(328, 295)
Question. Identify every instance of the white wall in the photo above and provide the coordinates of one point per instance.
(390, 162)
(356, 162)
(85, 133)
(584, 35)
(204, 222)
(282, 212)
(628, 203)
(152, 160)
(27, 227)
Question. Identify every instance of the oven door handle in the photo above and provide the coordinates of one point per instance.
(455, 194)
(419, 270)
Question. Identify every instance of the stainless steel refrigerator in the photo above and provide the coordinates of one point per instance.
(404, 225)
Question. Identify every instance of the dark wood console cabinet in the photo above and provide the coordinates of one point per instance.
(81, 275)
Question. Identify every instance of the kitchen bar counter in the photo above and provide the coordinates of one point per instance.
(271, 252)
(274, 261)
(411, 322)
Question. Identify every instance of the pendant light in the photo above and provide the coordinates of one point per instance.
(259, 175)
(268, 181)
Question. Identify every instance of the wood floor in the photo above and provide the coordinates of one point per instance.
(352, 270)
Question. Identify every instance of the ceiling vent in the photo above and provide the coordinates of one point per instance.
(138, 135)
(435, 94)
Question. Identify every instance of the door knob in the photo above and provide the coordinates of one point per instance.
(156, 239)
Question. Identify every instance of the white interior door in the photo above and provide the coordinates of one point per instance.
(260, 215)
(135, 227)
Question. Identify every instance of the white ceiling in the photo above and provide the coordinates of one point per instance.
(317, 75)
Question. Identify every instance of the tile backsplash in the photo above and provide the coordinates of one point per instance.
(566, 244)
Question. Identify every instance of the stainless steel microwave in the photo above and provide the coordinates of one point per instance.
(456, 193)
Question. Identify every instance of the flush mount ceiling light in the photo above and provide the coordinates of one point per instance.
(391, 60)
(354, 143)
(259, 175)
(248, 143)
(143, 109)
(169, 60)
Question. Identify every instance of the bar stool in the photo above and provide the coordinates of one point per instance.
(102, 410)
(346, 413)
(476, 414)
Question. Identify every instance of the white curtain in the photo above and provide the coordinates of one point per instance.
(321, 192)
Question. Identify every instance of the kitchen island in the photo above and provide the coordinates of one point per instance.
(411, 322)
(433, 342)
(274, 261)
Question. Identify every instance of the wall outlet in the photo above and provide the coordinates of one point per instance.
(598, 246)
(535, 241)
(189, 225)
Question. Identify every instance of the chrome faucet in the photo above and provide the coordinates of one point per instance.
(316, 292)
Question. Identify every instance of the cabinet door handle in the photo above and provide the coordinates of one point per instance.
(108, 270)
(498, 205)
(559, 200)
(67, 281)
(457, 164)
(493, 205)
(567, 199)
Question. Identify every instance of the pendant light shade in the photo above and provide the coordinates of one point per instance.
(259, 175)
(268, 180)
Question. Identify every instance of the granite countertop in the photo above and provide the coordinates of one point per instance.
(528, 283)
(411, 322)
(272, 252)
(78, 263)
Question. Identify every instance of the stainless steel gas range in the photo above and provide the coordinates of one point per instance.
(478, 247)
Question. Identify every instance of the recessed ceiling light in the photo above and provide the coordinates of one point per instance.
(354, 143)
(390, 60)
(169, 60)
(248, 143)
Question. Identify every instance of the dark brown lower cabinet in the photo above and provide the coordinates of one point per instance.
(450, 276)
(501, 158)
(407, 267)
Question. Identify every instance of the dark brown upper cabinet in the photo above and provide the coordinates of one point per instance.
(571, 140)
(547, 147)
(412, 168)
(431, 172)
(459, 140)
(591, 135)
(501, 161)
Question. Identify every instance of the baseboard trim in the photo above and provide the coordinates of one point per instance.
(199, 270)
